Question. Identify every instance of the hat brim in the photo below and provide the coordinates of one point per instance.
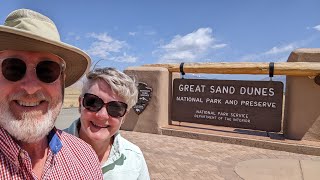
(77, 61)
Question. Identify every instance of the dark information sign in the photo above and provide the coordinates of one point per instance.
(144, 95)
(242, 104)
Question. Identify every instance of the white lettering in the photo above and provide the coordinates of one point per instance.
(189, 99)
(191, 88)
(222, 89)
(255, 91)
(231, 102)
(213, 101)
(261, 104)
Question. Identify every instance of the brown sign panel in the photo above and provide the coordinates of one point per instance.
(241, 104)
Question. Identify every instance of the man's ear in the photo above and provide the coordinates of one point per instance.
(80, 104)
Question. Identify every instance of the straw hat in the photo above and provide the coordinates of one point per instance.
(28, 30)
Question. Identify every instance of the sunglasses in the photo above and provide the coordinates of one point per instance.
(14, 69)
(114, 108)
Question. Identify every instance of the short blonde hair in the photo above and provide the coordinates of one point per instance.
(120, 83)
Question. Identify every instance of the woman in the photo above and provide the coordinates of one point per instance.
(106, 97)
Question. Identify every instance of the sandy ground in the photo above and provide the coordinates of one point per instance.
(71, 97)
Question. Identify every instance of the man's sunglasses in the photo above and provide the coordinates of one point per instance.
(114, 108)
(14, 69)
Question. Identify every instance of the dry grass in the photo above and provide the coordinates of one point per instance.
(71, 97)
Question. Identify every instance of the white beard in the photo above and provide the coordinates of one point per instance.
(33, 126)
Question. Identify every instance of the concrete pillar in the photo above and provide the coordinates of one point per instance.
(155, 114)
(302, 101)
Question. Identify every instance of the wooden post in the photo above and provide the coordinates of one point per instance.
(280, 68)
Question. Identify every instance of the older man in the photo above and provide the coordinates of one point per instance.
(35, 68)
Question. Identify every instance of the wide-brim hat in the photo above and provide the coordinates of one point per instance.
(28, 30)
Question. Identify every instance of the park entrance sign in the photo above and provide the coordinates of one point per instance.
(242, 104)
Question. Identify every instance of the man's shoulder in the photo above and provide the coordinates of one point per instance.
(75, 144)
(76, 147)
(77, 154)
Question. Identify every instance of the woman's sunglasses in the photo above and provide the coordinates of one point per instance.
(14, 69)
(114, 108)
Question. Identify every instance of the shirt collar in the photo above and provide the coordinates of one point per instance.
(116, 148)
(54, 141)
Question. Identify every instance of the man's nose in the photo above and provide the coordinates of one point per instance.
(30, 83)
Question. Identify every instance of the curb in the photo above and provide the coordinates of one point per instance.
(265, 144)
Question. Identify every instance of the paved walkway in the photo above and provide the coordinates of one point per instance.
(171, 157)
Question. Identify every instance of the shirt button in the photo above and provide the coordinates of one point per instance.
(22, 155)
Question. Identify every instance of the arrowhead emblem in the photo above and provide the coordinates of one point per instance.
(144, 96)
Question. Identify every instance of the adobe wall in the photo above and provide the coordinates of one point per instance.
(156, 114)
(302, 102)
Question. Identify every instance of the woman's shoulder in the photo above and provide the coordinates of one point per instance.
(73, 128)
(126, 145)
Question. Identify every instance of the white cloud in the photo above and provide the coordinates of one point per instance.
(190, 47)
(283, 49)
(176, 56)
(73, 36)
(275, 54)
(106, 43)
(219, 46)
(124, 58)
(317, 28)
(132, 33)
(150, 32)
(108, 48)
(146, 30)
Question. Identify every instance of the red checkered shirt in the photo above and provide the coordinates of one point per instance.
(69, 158)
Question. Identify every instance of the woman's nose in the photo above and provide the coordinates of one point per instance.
(103, 113)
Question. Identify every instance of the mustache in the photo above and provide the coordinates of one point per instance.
(22, 94)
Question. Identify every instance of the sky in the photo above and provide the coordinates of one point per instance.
(124, 33)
